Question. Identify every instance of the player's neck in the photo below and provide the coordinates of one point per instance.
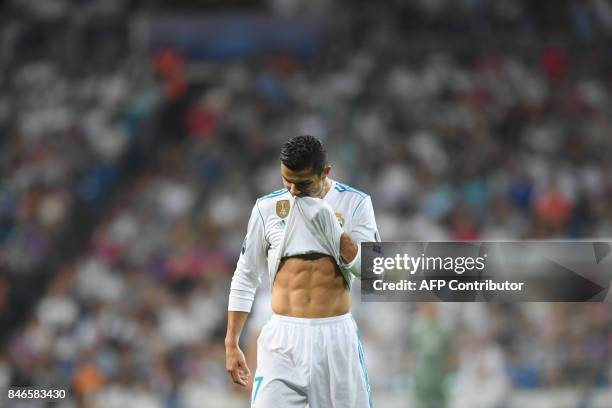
(326, 187)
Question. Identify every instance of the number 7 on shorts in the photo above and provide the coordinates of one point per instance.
(256, 385)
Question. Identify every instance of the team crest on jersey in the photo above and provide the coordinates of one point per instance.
(340, 218)
(282, 208)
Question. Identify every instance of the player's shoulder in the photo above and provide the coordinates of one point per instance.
(349, 190)
(274, 194)
(269, 200)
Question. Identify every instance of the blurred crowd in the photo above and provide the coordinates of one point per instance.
(63, 136)
(453, 141)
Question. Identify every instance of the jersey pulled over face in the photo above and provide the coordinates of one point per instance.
(304, 182)
(277, 230)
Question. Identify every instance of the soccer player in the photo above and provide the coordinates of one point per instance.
(306, 236)
(431, 342)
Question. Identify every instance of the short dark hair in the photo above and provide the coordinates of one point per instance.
(303, 152)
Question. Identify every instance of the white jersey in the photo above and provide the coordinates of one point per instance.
(275, 231)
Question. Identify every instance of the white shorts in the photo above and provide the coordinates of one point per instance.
(314, 363)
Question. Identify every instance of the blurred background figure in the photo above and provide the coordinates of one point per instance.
(431, 344)
(135, 135)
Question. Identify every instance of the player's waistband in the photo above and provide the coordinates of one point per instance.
(310, 322)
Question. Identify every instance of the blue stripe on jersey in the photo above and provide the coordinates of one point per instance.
(362, 363)
(340, 187)
(273, 194)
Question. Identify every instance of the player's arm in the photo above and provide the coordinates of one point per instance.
(247, 277)
(324, 224)
(364, 230)
(234, 357)
(349, 249)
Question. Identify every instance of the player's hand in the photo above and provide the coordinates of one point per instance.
(236, 365)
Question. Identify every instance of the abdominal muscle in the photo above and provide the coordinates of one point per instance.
(310, 286)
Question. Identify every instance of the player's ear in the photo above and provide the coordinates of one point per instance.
(326, 170)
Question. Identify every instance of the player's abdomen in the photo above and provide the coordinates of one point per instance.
(310, 286)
